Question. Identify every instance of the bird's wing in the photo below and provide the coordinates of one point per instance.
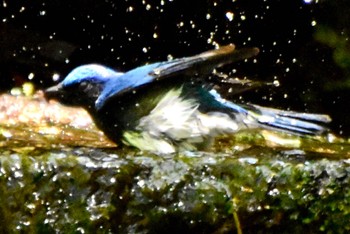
(201, 64)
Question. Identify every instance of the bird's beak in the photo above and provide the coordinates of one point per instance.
(53, 92)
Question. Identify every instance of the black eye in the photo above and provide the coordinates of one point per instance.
(88, 88)
(83, 84)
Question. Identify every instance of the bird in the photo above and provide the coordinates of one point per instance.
(167, 106)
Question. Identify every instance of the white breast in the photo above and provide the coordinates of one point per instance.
(176, 120)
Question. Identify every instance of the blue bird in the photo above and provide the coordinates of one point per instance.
(166, 106)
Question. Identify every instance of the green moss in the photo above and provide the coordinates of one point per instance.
(252, 182)
(98, 191)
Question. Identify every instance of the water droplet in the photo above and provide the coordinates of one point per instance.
(229, 15)
(31, 76)
(276, 83)
(55, 77)
(309, 1)
(170, 57)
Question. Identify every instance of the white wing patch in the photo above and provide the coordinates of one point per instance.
(176, 120)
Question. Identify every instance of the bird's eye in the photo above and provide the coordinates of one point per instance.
(87, 87)
(83, 84)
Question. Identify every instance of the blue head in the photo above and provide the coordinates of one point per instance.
(82, 86)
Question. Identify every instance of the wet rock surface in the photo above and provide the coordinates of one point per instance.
(59, 174)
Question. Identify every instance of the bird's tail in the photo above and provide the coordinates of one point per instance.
(287, 121)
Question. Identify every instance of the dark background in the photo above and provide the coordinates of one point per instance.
(304, 44)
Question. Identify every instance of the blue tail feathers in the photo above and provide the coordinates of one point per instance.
(288, 121)
(281, 120)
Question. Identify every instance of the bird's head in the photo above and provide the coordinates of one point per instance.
(82, 86)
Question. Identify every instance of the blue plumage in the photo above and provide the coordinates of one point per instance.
(165, 106)
(129, 81)
(95, 73)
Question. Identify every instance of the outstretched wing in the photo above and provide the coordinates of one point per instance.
(201, 64)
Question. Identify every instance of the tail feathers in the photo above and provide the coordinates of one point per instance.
(288, 121)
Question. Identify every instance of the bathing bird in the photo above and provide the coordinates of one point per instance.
(167, 106)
